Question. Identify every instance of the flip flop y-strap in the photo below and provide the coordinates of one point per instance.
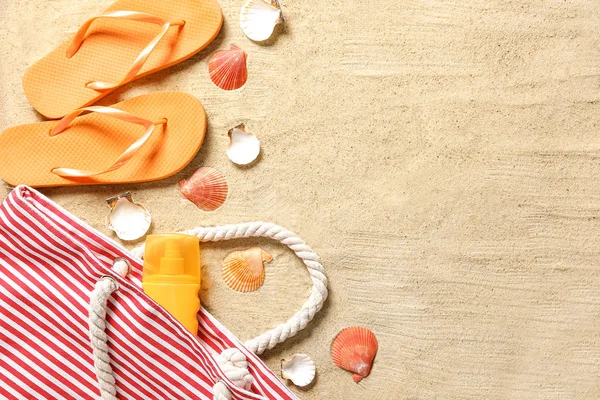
(123, 158)
(141, 58)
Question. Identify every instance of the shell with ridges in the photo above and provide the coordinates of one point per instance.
(300, 369)
(354, 349)
(258, 19)
(244, 271)
(227, 68)
(207, 188)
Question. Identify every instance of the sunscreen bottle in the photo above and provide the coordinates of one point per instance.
(171, 275)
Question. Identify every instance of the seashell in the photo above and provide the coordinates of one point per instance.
(206, 188)
(244, 146)
(244, 271)
(130, 221)
(354, 349)
(300, 369)
(259, 17)
(227, 68)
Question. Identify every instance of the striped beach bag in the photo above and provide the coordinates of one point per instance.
(75, 323)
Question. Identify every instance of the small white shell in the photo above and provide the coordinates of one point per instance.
(300, 369)
(259, 17)
(244, 146)
(130, 221)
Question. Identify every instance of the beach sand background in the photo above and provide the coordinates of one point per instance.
(442, 157)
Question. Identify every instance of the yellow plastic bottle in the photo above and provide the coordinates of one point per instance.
(171, 275)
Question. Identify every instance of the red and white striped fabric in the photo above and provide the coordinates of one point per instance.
(49, 263)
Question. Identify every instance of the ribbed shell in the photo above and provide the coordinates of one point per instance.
(244, 271)
(354, 349)
(227, 68)
(206, 188)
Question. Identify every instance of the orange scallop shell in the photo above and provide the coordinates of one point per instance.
(227, 68)
(244, 271)
(354, 349)
(206, 188)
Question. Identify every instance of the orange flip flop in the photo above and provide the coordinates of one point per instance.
(142, 139)
(129, 40)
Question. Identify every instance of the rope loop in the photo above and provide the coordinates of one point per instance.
(319, 292)
(233, 363)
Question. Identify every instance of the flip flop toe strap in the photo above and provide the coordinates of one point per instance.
(141, 58)
(123, 158)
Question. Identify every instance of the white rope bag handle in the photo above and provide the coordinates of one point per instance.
(232, 361)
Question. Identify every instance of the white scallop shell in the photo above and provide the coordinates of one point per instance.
(130, 221)
(259, 17)
(300, 369)
(244, 146)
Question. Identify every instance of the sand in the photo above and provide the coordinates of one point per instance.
(442, 157)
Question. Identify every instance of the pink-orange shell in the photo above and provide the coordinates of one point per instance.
(227, 68)
(244, 271)
(206, 188)
(354, 349)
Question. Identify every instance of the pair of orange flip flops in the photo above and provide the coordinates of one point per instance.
(145, 138)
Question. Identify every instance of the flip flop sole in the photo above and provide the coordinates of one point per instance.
(94, 141)
(56, 85)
